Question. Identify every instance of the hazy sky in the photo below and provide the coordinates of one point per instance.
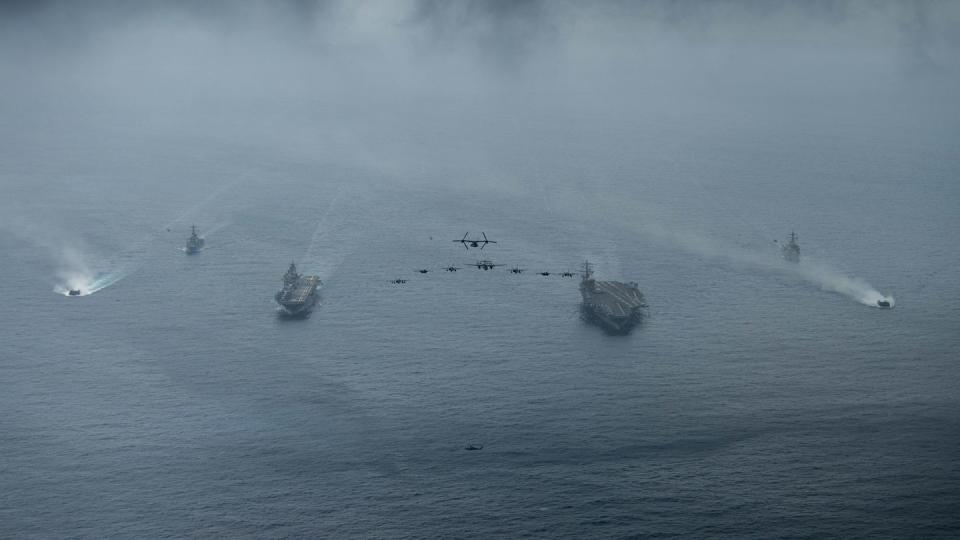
(431, 44)
(240, 69)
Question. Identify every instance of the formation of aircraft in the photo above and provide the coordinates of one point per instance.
(482, 264)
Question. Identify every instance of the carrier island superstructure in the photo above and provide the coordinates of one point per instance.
(616, 307)
(299, 292)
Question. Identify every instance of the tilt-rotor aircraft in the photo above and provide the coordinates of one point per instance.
(474, 242)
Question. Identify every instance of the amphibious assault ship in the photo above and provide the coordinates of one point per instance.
(791, 250)
(194, 243)
(616, 307)
(299, 293)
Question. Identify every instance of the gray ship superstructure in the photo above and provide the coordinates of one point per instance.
(194, 243)
(791, 250)
(299, 293)
(616, 307)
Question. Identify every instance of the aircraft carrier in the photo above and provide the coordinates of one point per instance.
(614, 306)
(194, 243)
(299, 293)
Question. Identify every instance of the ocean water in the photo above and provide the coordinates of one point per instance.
(755, 401)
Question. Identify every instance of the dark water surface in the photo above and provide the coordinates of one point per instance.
(751, 403)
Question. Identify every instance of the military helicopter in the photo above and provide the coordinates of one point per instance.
(451, 269)
(398, 281)
(517, 270)
(566, 274)
(485, 265)
(544, 273)
(474, 242)
(423, 270)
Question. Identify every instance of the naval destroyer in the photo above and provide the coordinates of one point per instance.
(791, 250)
(299, 293)
(616, 307)
(194, 243)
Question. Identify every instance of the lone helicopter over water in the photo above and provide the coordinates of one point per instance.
(486, 265)
(474, 242)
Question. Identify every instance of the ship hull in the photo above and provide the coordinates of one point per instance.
(298, 309)
(615, 326)
(299, 300)
(614, 306)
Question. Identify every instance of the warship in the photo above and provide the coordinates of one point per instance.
(791, 250)
(299, 293)
(194, 243)
(616, 307)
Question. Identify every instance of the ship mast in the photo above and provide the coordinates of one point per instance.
(587, 273)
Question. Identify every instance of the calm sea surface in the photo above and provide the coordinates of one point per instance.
(750, 403)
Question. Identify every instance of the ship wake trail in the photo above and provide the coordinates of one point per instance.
(74, 272)
(814, 272)
(325, 254)
(195, 208)
(214, 229)
(831, 280)
(132, 259)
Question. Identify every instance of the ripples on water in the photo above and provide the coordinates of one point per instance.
(749, 404)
